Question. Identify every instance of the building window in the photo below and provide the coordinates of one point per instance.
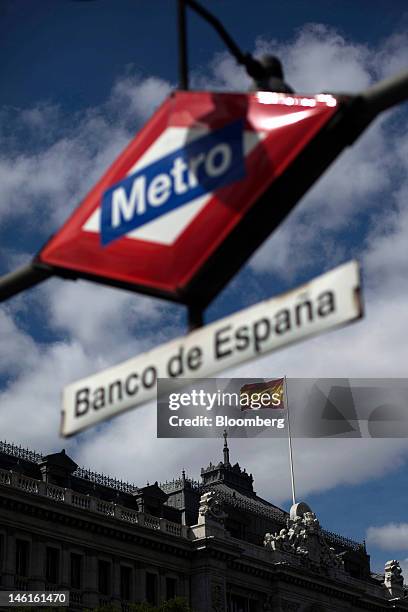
(238, 604)
(171, 588)
(104, 585)
(76, 570)
(125, 578)
(22, 557)
(151, 588)
(52, 558)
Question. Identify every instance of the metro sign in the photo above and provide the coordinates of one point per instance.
(195, 169)
(195, 193)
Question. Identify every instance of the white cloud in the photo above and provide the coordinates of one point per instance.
(19, 352)
(40, 117)
(30, 406)
(393, 536)
(393, 56)
(359, 182)
(317, 59)
(404, 567)
(224, 74)
(50, 181)
(320, 59)
(137, 97)
(100, 318)
(100, 327)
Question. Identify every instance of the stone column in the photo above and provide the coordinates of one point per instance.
(116, 599)
(37, 562)
(161, 586)
(65, 567)
(9, 560)
(208, 590)
(218, 594)
(91, 596)
(184, 586)
(139, 583)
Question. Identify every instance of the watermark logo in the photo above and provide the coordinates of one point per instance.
(318, 408)
(206, 407)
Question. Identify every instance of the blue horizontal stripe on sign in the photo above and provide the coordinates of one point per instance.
(198, 168)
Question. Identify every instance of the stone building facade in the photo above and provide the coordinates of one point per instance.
(214, 542)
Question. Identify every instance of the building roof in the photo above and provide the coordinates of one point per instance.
(35, 458)
(232, 484)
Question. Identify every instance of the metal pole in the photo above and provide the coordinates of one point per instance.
(292, 472)
(219, 28)
(195, 317)
(23, 278)
(182, 45)
(254, 68)
(386, 93)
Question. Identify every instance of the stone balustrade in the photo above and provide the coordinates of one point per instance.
(5, 477)
(151, 521)
(29, 485)
(89, 503)
(54, 492)
(80, 501)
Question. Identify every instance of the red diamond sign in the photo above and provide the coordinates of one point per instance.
(194, 194)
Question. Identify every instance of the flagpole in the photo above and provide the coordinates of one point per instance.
(292, 473)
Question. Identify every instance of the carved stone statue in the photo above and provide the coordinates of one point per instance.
(304, 537)
(311, 522)
(211, 508)
(393, 578)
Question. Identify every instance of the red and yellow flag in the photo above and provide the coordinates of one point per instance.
(268, 394)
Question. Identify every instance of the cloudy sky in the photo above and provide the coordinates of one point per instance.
(77, 80)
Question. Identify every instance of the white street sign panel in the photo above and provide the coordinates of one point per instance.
(328, 301)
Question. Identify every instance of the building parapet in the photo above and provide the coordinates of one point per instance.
(12, 479)
(21, 453)
(95, 477)
(343, 542)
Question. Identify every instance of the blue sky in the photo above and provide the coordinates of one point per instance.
(77, 80)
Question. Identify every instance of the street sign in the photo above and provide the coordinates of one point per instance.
(195, 193)
(326, 302)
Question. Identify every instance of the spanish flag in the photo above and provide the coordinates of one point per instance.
(268, 394)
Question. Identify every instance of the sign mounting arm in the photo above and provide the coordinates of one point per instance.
(182, 45)
(385, 94)
(23, 278)
(253, 67)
